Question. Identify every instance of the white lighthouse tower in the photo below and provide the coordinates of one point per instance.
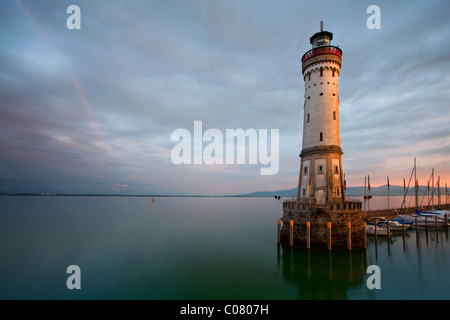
(321, 216)
(321, 178)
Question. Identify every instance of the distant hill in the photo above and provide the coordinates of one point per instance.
(350, 191)
(15, 186)
(393, 191)
(282, 193)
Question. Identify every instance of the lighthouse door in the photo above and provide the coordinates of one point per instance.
(320, 197)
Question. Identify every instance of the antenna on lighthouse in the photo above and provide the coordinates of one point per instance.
(321, 26)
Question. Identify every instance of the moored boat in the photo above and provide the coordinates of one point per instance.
(439, 213)
(371, 229)
(422, 220)
(394, 225)
(377, 229)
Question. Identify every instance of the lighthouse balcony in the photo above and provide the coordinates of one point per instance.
(322, 50)
(305, 204)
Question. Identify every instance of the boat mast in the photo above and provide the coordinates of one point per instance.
(365, 178)
(388, 191)
(439, 192)
(416, 184)
(432, 193)
(446, 194)
(368, 193)
(404, 192)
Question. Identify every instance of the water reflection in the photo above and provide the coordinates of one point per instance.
(417, 260)
(323, 274)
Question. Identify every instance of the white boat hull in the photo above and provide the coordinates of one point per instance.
(380, 231)
(395, 225)
(422, 221)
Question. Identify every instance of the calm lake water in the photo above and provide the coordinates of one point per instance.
(197, 248)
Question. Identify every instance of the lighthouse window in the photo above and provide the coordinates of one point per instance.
(320, 169)
(309, 76)
(321, 93)
(333, 72)
(307, 117)
(309, 97)
(336, 170)
(321, 71)
(304, 192)
(334, 115)
(321, 136)
(305, 171)
(334, 94)
(337, 192)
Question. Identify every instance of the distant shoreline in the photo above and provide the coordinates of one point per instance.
(170, 196)
(20, 188)
(133, 195)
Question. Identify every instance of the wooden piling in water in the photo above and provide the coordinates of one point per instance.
(446, 221)
(403, 227)
(278, 231)
(291, 233)
(436, 221)
(308, 235)
(417, 231)
(376, 228)
(329, 235)
(349, 235)
(388, 227)
(403, 234)
(364, 235)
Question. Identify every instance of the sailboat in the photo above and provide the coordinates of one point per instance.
(377, 229)
(153, 199)
(422, 218)
(395, 225)
(440, 213)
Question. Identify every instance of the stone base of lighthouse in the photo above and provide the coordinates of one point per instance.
(320, 218)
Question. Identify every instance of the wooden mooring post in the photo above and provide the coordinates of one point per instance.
(329, 235)
(364, 234)
(279, 231)
(388, 230)
(417, 231)
(291, 233)
(376, 228)
(308, 235)
(403, 227)
(388, 227)
(349, 236)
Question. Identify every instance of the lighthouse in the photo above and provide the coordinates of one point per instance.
(321, 216)
(321, 177)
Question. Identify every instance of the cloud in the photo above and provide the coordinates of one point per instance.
(98, 105)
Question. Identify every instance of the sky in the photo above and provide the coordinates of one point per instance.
(94, 109)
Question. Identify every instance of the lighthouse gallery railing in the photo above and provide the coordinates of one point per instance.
(322, 50)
